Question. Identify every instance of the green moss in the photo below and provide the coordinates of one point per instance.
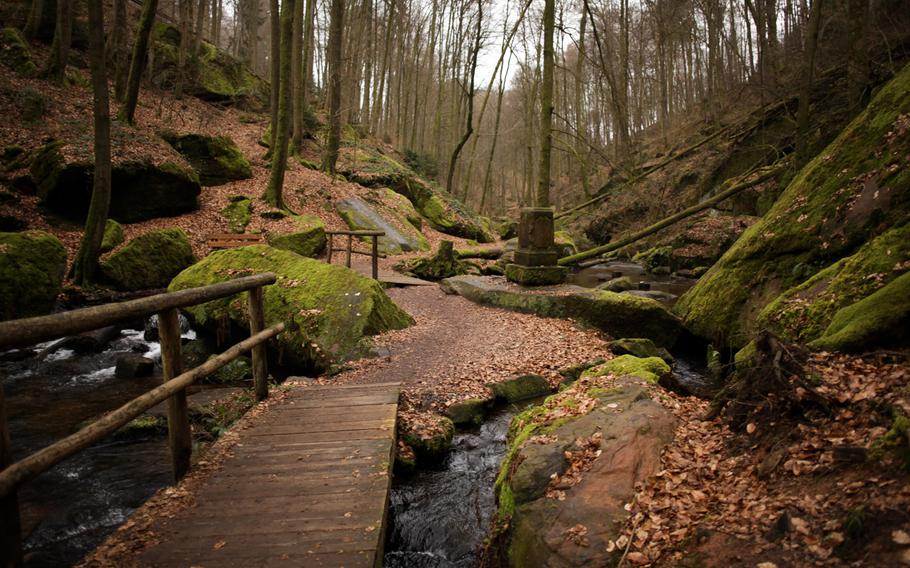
(882, 318)
(895, 441)
(443, 264)
(433, 444)
(803, 313)
(654, 257)
(328, 309)
(15, 54)
(149, 261)
(467, 412)
(308, 240)
(572, 374)
(746, 358)
(238, 370)
(647, 368)
(113, 236)
(535, 275)
(32, 266)
(401, 205)
(639, 347)
(143, 426)
(216, 159)
(850, 193)
(620, 284)
(399, 237)
(521, 388)
(238, 213)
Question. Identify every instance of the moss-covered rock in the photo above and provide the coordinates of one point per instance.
(470, 412)
(328, 309)
(880, 319)
(521, 388)
(113, 236)
(400, 235)
(853, 191)
(238, 213)
(430, 443)
(442, 211)
(706, 238)
(443, 264)
(216, 159)
(308, 240)
(639, 347)
(140, 190)
(654, 257)
(620, 284)
(238, 370)
(620, 315)
(506, 228)
(32, 266)
(565, 244)
(650, 369)
(149, 261)
(802, 313)
(15, 54)
(385, 197)
(219, 77)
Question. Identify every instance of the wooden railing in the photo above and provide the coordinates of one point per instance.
(19, 333)
(349, 249)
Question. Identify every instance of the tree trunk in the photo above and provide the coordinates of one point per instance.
(281, 133)
(336, 27)
(297, 131)
(805, 91)
(137, 64)
(60, 49)
(185, 16)
(86, 262)
(117, 51)
(469, 128)
(274, 69)
(542, 198)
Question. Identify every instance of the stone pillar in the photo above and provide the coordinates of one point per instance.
(535, 259)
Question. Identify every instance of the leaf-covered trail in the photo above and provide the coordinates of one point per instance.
(457, 347)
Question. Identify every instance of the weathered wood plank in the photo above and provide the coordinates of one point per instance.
(306, 485)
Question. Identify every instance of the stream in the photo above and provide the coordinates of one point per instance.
(70, 509)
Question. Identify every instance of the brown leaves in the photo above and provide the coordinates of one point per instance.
(580, 460)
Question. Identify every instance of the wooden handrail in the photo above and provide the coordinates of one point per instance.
(42, 460)
(358, 233)
(19, 333)
(349, 249)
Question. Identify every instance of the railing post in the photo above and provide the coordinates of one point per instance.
(257, 324)
(10, 528)
(328, 254)
(180, 435)
(375, 257)
(350, 245)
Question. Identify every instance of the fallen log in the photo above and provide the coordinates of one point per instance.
(768, 173)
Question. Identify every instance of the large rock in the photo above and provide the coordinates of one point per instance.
(855, 190)
(149, 261)
(538, 509)
(113, 236)
(442, 211)
(32, 266)
(140, 190)
(521, 388)
(216, 159)
(399, 238)
(706, 238)
(328, 309)
(308, 240)
(620, 315)
(15, 54)
(650, 369)
(220, 78)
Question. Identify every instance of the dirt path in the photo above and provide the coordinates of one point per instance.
(457, 347)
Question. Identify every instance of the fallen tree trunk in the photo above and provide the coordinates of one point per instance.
(769, 172)
(603, 193)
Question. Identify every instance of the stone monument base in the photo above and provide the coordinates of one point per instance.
(535, 275)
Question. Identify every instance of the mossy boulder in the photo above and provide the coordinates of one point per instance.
(401, 205)
(140, 190)
(308, 240)
(639, 347)
(650, 369)
(15, 53)
(220, 78)
(565, 244)
(506, 228)
(442, 211)
(803, 313)
(612, 419)
(620, 284)
(443, 264)
(329, 309)
(654, 257)
(853, 191)
(470, 412)
(430, 442)
(32, 266)
(400, 236)
(620, 315)
(521, 388)
(149, 261)
(238, 213)
(216, 159)
(706, 238)
(880, 319)
(113, 236)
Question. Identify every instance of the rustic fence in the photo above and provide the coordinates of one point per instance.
(19, 333)
(349, 249)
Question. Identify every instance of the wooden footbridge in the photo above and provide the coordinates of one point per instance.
(305, 484)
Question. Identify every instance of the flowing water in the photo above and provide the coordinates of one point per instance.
(70, 509)
(593, 276)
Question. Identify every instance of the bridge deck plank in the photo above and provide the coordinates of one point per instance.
(307, 484)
